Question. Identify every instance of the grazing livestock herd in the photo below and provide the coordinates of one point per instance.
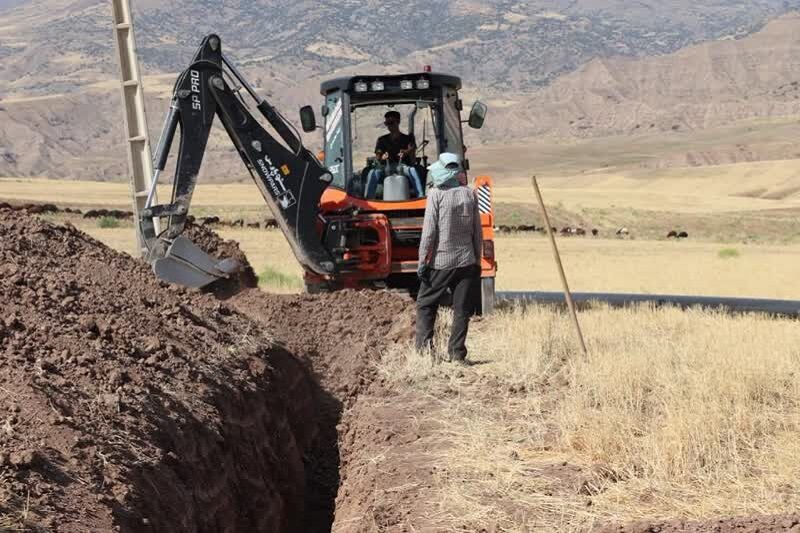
(565, 231)
(677, 235)
(568, 231)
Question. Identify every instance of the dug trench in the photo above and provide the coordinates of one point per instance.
(131, 405)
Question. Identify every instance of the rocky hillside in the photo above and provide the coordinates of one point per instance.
(698, 87)
(550, 67)
(59, 45)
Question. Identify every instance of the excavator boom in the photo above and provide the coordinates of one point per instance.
(289, 176)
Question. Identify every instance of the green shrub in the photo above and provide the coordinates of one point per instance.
(269, 277)
(108, 222)
(728, 253)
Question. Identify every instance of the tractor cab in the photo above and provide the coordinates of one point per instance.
(359, 113)
(380, 134)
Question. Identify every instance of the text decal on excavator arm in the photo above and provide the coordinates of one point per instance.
(195, 82)
(274, 179)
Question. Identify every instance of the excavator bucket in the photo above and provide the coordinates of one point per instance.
(186, 264)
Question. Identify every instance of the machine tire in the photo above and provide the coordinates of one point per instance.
(317, 288)
(486, 303)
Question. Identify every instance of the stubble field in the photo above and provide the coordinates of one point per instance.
(736, 247)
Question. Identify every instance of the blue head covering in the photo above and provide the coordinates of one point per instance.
(442, 176)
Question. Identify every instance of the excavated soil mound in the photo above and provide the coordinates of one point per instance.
(133, 405)
(128, 404)
(341, 335)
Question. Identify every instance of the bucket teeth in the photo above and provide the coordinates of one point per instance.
(186, 264)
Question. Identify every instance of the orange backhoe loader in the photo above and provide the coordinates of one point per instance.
(352, 218)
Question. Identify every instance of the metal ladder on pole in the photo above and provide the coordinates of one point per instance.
(140, 159)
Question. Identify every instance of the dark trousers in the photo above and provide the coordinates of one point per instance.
(463, 283)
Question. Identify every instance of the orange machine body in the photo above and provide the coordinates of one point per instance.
(375, 242)
(391, 231)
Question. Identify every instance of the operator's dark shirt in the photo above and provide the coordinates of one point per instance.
(393, 146)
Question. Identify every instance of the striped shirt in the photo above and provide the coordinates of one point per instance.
(451, 231)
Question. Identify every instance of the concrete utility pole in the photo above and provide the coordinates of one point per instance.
(140, 159)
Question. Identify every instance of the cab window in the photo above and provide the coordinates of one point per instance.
(392, 146)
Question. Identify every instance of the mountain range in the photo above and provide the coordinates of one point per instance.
(61, 45)
(556, 68)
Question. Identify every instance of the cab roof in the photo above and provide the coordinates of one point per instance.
(391, 82)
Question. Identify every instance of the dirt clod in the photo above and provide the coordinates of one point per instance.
(23, 459)
(212, 244)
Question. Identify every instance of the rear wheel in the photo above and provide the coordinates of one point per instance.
(486, 305)
(318, 287)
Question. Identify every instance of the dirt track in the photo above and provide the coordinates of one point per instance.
(134, 406)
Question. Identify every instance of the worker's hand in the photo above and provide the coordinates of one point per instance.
(424, 272)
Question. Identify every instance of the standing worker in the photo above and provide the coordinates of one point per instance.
(449, 254)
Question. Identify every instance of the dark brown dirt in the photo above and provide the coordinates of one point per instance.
(340, 336)
(389, 464)
(747, 524)
(130, 405)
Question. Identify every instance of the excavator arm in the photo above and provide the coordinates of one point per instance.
(289, 176)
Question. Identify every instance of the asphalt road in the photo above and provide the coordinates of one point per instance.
(789, 308)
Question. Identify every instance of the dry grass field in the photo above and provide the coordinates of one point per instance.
(652, 267)
(242, 199)
(738, 246)
(688, 414)
(593, 265)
